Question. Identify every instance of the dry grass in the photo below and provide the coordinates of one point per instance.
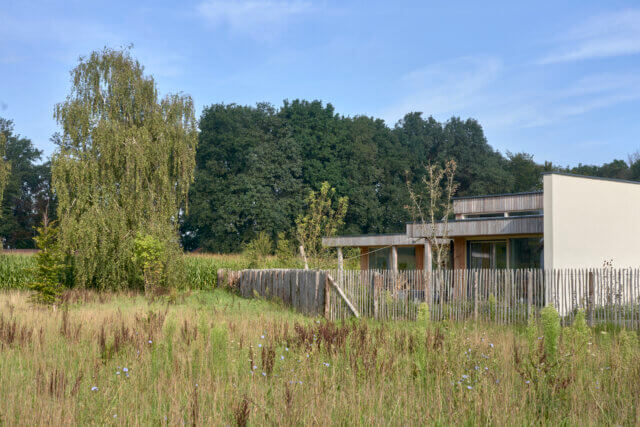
(217, 359)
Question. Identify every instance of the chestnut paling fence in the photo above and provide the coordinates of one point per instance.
(499, 296)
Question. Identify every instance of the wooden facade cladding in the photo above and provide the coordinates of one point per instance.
(485, 227)
(371, 240)
(498, 204)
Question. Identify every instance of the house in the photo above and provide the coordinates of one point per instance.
(574, 222)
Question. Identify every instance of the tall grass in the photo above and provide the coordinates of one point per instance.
(217, 359)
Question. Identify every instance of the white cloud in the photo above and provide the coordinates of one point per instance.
(603, 36)
(255, 17)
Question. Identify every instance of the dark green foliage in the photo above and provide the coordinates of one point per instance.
(26, 200)
(255, 166)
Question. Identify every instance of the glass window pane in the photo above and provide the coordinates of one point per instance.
(379, 260)
(500, 260)
(526, 252)
(480, 254)
(492, 254)
(407, 258)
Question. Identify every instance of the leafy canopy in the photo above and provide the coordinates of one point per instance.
(123, 166)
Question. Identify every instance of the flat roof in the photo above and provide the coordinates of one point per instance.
(600, 178)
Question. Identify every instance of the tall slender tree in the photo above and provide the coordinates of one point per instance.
(122, 169)
(5, 166)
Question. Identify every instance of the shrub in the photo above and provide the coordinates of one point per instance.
(260, 247)
(551, 331)
(51, 272)
(148, 252)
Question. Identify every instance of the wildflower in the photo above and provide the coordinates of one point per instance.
(125, 369)
(262, 336)
(115, 415)
(476, 367)
(465, 376)
(286, 349)
(486, 368)
(307, 355)
(127, 374)
(300, 382)
(527, 382)
(491, 344)
(264, 374)
(255, 367)
(94, 388)
(282, 357)
(469, 387)
(325, 364)
(497, 381)
(259, 345)
(150, 342)
(539, 338)
(196, 384)
(118, 373)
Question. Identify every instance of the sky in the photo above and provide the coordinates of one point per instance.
(559, 80)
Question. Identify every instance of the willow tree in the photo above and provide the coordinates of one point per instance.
(122, 170)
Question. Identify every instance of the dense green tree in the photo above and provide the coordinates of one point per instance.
(255, 165)
(121, 171)
(27, 199)
(525, 172)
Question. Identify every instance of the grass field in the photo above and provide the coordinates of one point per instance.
(214, 358)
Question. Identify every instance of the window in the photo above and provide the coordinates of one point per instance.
(379, 260)
(407, 258)
(490, 254)
(484, 215)
(526, 252)
(525, 213)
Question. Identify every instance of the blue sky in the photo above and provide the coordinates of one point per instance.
(560, 81)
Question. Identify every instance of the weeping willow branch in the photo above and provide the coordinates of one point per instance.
(122, 168)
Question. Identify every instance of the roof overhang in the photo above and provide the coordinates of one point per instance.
(373, 240)
(533, 224)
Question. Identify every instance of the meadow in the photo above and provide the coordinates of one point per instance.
(214, 358)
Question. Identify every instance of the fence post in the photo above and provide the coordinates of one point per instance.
(374, 293)
(327, 295)
(529, 293)
(475, 296)
(591, 299)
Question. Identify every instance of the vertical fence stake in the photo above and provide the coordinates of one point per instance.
(529, 293)
(374, 293)
(591, 299)
(475, 296)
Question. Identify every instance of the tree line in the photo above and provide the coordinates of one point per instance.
(255, 166)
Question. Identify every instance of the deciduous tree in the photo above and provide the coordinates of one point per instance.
(122, 169)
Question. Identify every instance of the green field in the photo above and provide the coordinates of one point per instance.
(16, 269)
(214, 358)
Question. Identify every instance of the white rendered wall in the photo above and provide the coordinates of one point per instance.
(588, 221)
